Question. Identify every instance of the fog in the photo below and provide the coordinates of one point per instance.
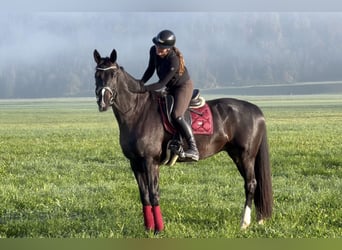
(49, 54)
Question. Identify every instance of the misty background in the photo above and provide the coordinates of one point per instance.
(50, 54)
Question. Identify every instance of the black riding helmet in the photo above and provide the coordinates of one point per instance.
(165, 39)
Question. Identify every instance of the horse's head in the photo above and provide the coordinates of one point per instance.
(105, 79)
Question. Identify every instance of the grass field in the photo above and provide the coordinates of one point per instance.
(62, 174)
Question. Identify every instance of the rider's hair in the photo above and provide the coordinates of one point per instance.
(181, 61)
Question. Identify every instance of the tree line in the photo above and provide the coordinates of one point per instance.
(220, 49)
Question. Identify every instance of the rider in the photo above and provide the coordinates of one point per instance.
(168, 62)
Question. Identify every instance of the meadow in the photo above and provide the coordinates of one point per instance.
(63, 175)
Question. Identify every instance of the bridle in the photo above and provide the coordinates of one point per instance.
(112, 91)
(104, 89)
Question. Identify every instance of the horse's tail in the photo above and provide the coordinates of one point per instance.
(263, 197)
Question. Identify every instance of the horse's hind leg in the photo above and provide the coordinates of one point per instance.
(246, 168)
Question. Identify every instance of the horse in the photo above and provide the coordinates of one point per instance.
(239, 130)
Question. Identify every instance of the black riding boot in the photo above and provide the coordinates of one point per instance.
(186, 132)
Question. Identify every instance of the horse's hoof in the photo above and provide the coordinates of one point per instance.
(261, 222)
(244, 226)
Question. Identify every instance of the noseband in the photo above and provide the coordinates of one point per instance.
(103, 91)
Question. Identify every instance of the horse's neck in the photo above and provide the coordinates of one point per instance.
(128, 105)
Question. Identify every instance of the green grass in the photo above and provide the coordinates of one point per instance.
(62, 174)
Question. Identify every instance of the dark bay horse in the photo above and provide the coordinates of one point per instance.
(239, 129)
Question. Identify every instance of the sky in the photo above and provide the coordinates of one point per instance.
(174, 5)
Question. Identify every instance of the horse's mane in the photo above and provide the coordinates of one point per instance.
(128, 75)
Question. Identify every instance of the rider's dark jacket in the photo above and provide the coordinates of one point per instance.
(167, 69)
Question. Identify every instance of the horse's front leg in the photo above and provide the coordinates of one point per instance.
(153, 187)
(147, 175)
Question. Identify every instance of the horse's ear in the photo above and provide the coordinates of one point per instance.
(113, 56)
(97, 56)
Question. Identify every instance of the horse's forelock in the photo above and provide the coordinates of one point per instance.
(105, 62)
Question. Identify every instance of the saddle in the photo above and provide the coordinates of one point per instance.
(166, 104)
(198, 116)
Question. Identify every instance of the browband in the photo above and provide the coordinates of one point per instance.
(111, 67)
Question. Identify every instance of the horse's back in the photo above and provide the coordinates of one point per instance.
(242, 123)
(232, 107)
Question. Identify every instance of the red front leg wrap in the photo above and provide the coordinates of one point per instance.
(158, 218)
(148, 218)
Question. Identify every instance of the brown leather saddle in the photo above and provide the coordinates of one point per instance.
(167, 105)
(174, 147)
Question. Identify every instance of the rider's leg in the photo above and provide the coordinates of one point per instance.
(186, 132)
